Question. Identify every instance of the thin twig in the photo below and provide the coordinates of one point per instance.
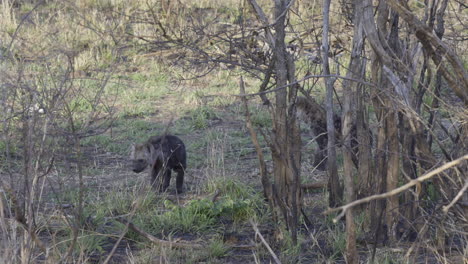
(457, 197)
(114, 248)
(21, 219)
(257, 232)
(304, 79)
(267, 187)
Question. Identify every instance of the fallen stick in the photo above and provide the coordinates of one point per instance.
(257, 232)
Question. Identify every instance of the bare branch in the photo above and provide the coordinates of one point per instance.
(257, 232)
(262, 17)
(458, 80)
(253, 135)
(304, 79)
(457, 197)
(21, 219)
(398, 190)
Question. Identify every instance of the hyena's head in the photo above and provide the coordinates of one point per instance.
(140, 157)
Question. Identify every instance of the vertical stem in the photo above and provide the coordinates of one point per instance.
(267, 189)
(286, 133)
(393, 171)
(28, 171)
(334, 188)
(76, 225)
(392, 207)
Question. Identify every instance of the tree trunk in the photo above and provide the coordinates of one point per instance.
(365, 164)
(391, 119)
(457, 78)
(285, 140)
(392, 206)
(334, 187)
(355, 70)
(286, 150)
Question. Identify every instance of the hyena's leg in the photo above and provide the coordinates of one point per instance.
(179, 179)
(167, 180)
(155, 175)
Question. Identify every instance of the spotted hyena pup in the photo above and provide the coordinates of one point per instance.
(162, 154)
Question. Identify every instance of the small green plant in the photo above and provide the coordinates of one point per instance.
(90, 239)
(116, 144)
(230, 188)
(90, 242)
(360, 219)
(80, 105)
(87, 243)
(67, 196)
(114, 203)
(217, 248)
(337, 239)
(196, 216)
(200, 117)
(101, 141)
(260, 117)
(239, 200)
(289, 251)
(12, 150)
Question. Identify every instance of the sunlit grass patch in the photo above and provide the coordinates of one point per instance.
(197, 216)
(217, 248)
(244, 201)
(260, 117)
(201, 116)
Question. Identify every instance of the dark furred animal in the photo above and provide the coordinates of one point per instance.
(315, 115)
(162, 154)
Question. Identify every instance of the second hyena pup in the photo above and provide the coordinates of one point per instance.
(162, 154)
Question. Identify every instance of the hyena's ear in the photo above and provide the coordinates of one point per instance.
(150, 150)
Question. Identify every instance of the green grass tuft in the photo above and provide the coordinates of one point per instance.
(200, 117)
(217, 248)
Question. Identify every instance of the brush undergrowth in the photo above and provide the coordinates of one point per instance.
(159, 216)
